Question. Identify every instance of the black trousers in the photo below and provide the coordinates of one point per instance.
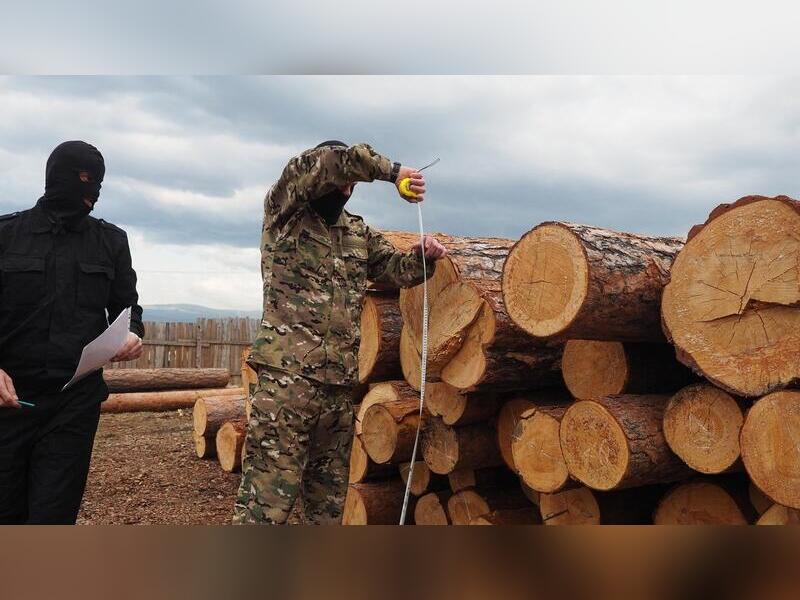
(45, 452)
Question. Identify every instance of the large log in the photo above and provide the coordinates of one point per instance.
(702, 425)
(378, 503)
(150, 380)
(389, 428)
(770, 442)
(594, 369)
(161, 401)
(431, 509)
(618, 442)
(363, 468)
(699, 503)
(537, 449)
(229, 442)
(466, 505)
(424, 480)
(210, 413)
(446, 448)
(732, 307)
(568, 281)
(379, 352)
(472, 341)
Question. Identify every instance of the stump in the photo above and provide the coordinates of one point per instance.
(702, 425)
(770, 442)
(595, 369)
(568, 281)
(699, 503)
(731, 307)
(617, 442)
(379, 352)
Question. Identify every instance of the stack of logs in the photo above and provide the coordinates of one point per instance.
(220, 423)
(583, 375)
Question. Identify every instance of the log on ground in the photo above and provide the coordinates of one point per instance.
(618, 442)
(568, 281)
(161, 401)
(732, 307)
(229, 442)
(204, 447)
(150, 380)
(209, 414)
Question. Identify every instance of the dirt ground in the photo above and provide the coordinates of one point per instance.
(145, 471)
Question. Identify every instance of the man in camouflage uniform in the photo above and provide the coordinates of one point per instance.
(316, 259)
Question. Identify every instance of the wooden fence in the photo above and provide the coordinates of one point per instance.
(205, 343)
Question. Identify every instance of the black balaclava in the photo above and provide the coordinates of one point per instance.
(64, 191)
(330, 206)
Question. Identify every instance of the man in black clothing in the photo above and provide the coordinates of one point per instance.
(63, 277)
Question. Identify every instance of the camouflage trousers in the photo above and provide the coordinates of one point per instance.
(298, 443)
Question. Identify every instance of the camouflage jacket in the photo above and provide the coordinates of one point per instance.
(315, 275)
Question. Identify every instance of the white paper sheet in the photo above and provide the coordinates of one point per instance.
(103, 348)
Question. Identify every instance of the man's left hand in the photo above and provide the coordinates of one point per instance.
(433, 249)
(131, 350)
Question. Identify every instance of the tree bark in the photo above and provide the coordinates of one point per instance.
(732, 307)
(595, 369)
(379, 352)
(618, 442)
(568, 281)
(149, 380)
(210, 413)
(161, 401)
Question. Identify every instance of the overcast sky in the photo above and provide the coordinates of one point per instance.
(190, 159)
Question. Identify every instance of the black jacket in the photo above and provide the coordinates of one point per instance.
(55, 289)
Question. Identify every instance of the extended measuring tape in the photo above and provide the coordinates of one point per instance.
(405, 190)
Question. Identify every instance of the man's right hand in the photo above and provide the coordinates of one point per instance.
(8, 395)
(417, 184)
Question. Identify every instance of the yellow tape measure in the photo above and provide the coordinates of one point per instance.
(405, 188)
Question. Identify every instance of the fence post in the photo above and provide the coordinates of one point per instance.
(199, 343)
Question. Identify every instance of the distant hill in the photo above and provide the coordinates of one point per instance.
(188, 313)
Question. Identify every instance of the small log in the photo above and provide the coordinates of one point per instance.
(568, 281)
(618, 442)
(379, 393)
(379, 352)
(468, 504)
(490, 477)
(229, 442)
(151, 380)
(424, 481)
(779, 515)
(537, 450)
(363, 468)
(431, 509)
(576, 506)
(389, 429)
(699, 503)
(204, 447)
(457, 408)
(702, 426)
(446, 448)
(161, 401)
(378, 503)
(731, 307)
(594, 369)
(512, 516)
(770, 442)
(210, 413)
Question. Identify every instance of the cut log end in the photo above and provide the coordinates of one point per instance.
(594, 369)
(699, 503)
(594, 445)
(370, 339)
(204, 447)
(537, 452)
(431, 509)
(507, 421)
(545, 280)
(379, 433)
(229, 442)
(421, 478)
(440, 447)
(731, 305)
(779, 515)
(770, 441)
(702, 425)
(465, 506)
(571, 507)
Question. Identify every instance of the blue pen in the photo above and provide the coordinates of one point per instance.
(31, 404)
